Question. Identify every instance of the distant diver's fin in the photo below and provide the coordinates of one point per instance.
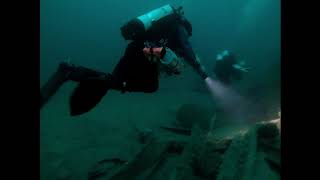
(88, 94)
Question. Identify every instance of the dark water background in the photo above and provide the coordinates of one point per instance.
(89, 31)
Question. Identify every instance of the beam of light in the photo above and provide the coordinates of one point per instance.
(232, 103)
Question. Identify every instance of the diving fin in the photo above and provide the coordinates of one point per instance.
(88, 94)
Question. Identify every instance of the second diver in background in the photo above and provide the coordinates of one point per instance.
(227, 68)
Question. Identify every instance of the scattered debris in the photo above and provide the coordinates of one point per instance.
(153, 153)
(250, 153)
(177, 130)
(103, 167)
(143, 135)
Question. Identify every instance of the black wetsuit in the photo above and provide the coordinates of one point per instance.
(138, 73)
(133, 73)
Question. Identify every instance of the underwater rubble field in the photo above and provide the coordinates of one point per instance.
(71, 146)
(77, 143)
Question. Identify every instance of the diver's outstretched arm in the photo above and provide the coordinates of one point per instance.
(188, 53)
(64, 73)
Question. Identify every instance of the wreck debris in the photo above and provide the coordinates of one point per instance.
(251, 152)
(153, 153)
(103, 167)
(177, 130)
(143, 135)
(183, 168)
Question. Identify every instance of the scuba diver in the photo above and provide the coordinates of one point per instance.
(227, 68)
(158, 38)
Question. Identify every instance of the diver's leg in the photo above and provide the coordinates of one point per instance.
(134, 72)
(64, 73)
(135, 79)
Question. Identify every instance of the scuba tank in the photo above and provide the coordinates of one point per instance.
(137, 27)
